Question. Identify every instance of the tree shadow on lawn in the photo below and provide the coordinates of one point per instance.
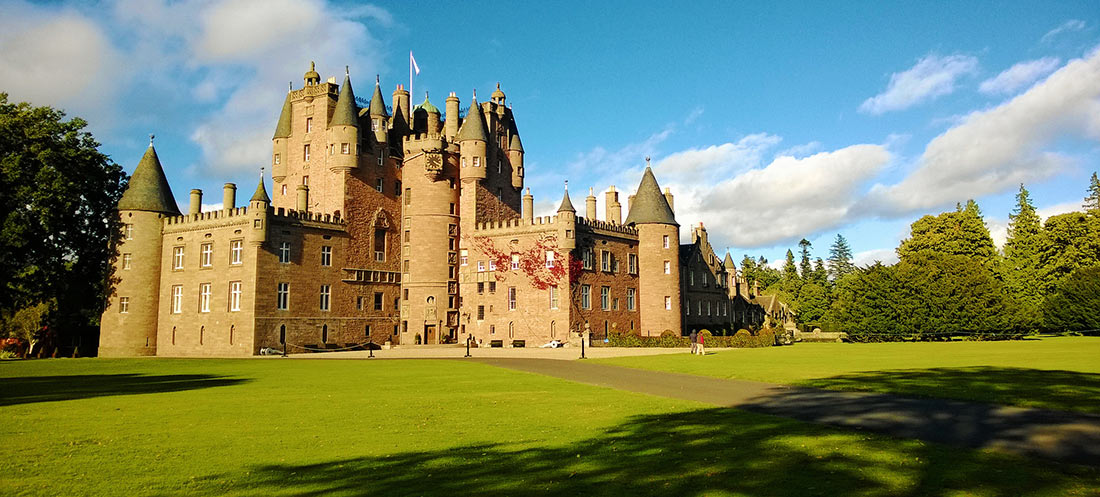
(1047, 389)
(697, 452)
(27, 390)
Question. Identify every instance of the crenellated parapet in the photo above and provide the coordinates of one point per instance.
(606, 227)
(313, 91)
(307, 219)
(205, 220)
(516, 226)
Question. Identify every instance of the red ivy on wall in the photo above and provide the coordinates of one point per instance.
(531, 262)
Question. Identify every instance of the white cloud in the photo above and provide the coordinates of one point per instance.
(997, 149)
(1066, 27)
(869, 257)
(1019, 76)
(933, 76)
(715, 162)
(786, 200)
(998, 227)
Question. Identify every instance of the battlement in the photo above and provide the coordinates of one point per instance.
(607, 226)
(314, 219)
(315, 90)
(415, 137)
(516, 225)
(220, 216)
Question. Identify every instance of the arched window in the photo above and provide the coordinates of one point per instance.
(282, 333)
(202, 332)
(173, 335)
(553, 329)
(324, 333)
(511, 330)
(231, 330)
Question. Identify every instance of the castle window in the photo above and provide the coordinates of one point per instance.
(549, 258)
(668, 267)
(480, 313)
(708, 308)
(236, 250)
(284, 189)
(630, 292)
(605, 298)
(359, 303)
(378, 185)
(464, 256)
(477, 161)
(666, 241)
(492, 287)
(282, 296)
(605, 261)
(284, 253)
(586, 297)
(234, 295)
(332, 149)
(324, 333)
(277, 159)
(380, 160)
(615, 304)
(126, 258)
(397, 188)
(128, 231)
(366, 331)
(668, 303)
(687, 307)
(463, 162)
(326, 294)
(326, 255)
(379, 245)
(452, 208)
(408, 196)
(177, 258)
(480, 266)
(305, 152)
(511, 329)
(374, 124)
(204, 297)
(699, 308)
(500, 193)
(124, 305)
(378, 301)
(515, 262)
(173, 335)
(492, 265)
(345, 148)
(396, 303)
(511, 298)
(202, 334)
(206, 255)
(691, 277)
(305, 180)
(309, 124)
(554, 297)
(480, 287)
(407, 237)
(177, 299)
(586, 258)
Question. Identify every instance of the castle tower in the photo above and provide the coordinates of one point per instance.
(451, 125)
(732, 289)
(378, 115)
(567, 222)
(515, 158)
(658, 258)
(128, 326)
(426, 118)
(401, 113)
(343, 130)
(279, 155)
(258, 211)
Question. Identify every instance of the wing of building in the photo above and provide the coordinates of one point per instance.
(408, 225)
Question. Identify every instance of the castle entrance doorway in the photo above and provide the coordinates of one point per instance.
(430, 334)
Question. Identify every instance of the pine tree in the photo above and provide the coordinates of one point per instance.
(805, 269)
(1092, 201)
(821, 276)
(1021, 270)
(840, 258)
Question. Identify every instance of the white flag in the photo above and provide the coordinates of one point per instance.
(412, 60)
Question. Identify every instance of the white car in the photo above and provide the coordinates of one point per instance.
(552, 344)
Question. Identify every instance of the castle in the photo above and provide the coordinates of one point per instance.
(408, 226)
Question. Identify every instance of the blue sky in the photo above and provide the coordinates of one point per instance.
(770, 121)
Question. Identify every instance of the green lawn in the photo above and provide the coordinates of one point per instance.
(358, 427)
(1055, 373)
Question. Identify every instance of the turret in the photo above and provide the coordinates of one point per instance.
(450, 127)
(279, 156)
(229, 196)
(515, 158)
(311, 77)
(472, 140)
(303, 198)
(658, 258)
(196, 202)
(128, 326)
(498, 96)
(528, 207)
(590, 205)
(426, 118)
(343, 129)
(401, 114)
(258, 211)
(567, 222)
(378, 114)
(614, 210)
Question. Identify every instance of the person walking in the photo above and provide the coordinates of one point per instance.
(694, 337)
(699, 349)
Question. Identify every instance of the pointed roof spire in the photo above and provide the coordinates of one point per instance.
(515, 143)
(473, 127)
(566, 205)
(148, 189)
(282, 129)
(728, 261)
(261, 191)
(650, 205)
(346, 113)
(377, 103)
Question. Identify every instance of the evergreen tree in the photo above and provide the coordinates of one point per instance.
(1021, 271)
(962, 232)
(1074, 303)
(790, 279)
(1092, 201)
(840, 258)
(804, 266)
(1070, 241)
(749, 270)
(821, 276)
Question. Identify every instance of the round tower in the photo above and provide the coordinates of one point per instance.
(378, 116)
(515, 158)
(343, 129)
(566, 222)
(658, 258)
(450, 126)
(279, 156)
(258, 211)
(128, 326)
(473, 139)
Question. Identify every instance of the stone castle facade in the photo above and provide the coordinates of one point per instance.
(408, 226)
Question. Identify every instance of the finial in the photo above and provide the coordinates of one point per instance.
(151, 136)
(528, 190)
(425, 95)
(291, 84)
(312, 67)
(647, 161)
(498, 85)
(377, 80)
(567, 185)
(261, 173)
(590, 192)
(346, 71)
(475, 93)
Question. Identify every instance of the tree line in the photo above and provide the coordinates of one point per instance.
(951, 280)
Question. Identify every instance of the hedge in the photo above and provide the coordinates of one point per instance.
(668, 339)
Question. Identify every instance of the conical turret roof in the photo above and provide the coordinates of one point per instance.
(566, 205)
(148, 189)
(650, 205)
(261, 193)
(515, 144)
(473, 127)
(728, 261)
(346, 113)
(377, 103)
(282, 130)
(427, 105)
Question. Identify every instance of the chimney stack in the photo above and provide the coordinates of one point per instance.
(196, 202)
(229, 196)
(612, 206)
(303, 198)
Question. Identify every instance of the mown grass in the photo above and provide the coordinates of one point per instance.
(359, 427)
(1054, 373)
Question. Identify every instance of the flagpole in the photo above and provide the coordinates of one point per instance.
(411, 94)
